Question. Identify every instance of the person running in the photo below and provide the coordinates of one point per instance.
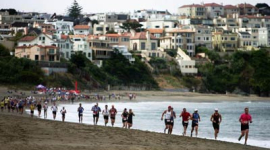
(168, 114)
(106, 114)
(80, 111)
(45, 108)
(39, 108)
(2, 105)
(96, 111)
(124, 118)
(12, 103)
(113, 113)
(172, 120)
(195, 122)
(32, 108)
(216, 120)
(63, 111)
(185, 118)
(245, 119)
(130, 118)
(21, 104)
(9, 105)
(54, 109)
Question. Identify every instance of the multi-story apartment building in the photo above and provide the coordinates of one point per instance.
(186, 65)
(179, 38)
(6, 18)
(143, 41)
(247, 9)
(203, 36)
(38, 53)
(81, 45)
(119, 39)
(248, 38)
(192, 11)
(147, 14)
(100, 46)
(214, 10)
(159, 24)
(110, 17)
(65, 46)
(230, 10)
(225, 41)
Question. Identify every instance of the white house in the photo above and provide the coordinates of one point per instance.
(124, 51)
(187, 66)
(65, 46)
(263, 37)
(214, 10)
(81, 44)
(61, 26)
(81, 30)
(203, 36)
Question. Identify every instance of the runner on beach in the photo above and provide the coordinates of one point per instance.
(96, 111)
(106, 114)
(245, 119)
(195, 122)
(45, 107)
(21, 104)
(39, 108)
(124, 118)
(185, 119)
(80, 113)
(2, 104)
(172, 120)
(130, 118)
(168, 114)
(54, 109)
(12, 103)
(113, 113)
(216, 120)
(63, 111)
(32, 108)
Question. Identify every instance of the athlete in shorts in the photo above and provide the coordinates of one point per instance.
(96, 111)
(32, 108)
(113, 113)
(63, 111)
(106, 114)
(130, 118)
(124, 118)
(45, 108)
(216, 120)
(168, 114)
(185, 118)
(39, 108)
(172, 120)
(245, 119)
(54, 109)
(195, 122)
(80, 113)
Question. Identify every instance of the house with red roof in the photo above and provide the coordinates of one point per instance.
(143, 41)
(41, 39)
(192, 11)
(214, 10)
(82, 30)
(230, 9)
(247, 9)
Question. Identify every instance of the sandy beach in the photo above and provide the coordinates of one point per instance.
(24, 133)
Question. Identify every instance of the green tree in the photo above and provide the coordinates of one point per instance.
(93, 22)
(74, 10)
(172, 52)
(4, 51)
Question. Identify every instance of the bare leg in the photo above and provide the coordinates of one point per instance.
(192, 129)
(242, 134)
(246, 138)
(196, 130)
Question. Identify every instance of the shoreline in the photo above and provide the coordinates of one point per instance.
(59, 132)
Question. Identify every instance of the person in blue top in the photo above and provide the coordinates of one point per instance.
(96, 111)
(195, 117)
(80, 111)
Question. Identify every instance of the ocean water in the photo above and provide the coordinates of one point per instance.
(148, 118)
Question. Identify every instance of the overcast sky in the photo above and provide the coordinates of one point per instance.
(94, 6)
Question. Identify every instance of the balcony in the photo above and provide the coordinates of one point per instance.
(57, 52)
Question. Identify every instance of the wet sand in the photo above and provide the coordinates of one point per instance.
(24, 133)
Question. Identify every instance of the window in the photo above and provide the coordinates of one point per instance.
(232, 38)
(199, 31)
(36, 57)
(143, 46)
(199, 38)
(207, 38)
(153, 46)
(89, 54)
(157, 27)
(254, 37)
(125, 39)
(51, 51)
(67, 54)
(189, 41)
(77, 39)
(43, 39)
(42, 57)
(172, 40)
(67, 46)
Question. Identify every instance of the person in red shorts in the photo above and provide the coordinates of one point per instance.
(245, 119)
(185, 118)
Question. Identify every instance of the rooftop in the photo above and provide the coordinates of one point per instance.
(81, 27)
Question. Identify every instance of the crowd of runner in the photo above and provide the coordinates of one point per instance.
(216, 119)
(18, 105)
